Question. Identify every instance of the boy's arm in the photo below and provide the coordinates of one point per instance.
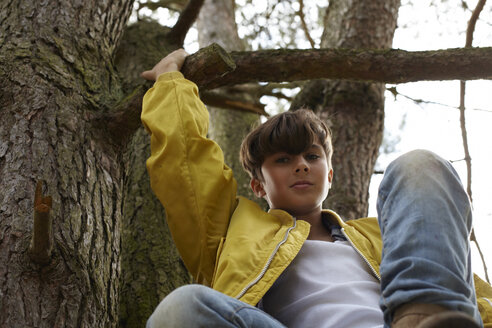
(187, 171)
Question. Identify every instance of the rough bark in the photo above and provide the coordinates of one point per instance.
(150, 264)
(227, 127)
(55, 73)
(212, 67)
(354, 110)
(371, 65)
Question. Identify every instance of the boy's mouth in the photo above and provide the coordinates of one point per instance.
(301, 184)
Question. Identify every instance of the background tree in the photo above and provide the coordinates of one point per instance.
(229, 127)
(69, 104)
(355, 109)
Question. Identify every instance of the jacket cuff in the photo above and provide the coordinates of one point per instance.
(168, 76)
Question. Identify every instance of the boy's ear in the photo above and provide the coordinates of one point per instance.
(330, 176)
(257, 188)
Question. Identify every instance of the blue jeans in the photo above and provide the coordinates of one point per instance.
(199, 306)
(425, 220)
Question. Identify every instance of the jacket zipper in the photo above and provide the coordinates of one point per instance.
(362, 255)
(270, 259)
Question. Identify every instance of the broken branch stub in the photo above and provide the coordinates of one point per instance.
(42, 235)
(207, 64)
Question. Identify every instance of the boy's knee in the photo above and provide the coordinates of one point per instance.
(176, 306)
(421, 165)
(188, 294)
(423, 172)
(417, 160)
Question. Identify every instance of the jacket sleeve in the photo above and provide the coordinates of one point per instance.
(484, 300)
(187, 172)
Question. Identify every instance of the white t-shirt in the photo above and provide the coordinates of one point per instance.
(327, 285)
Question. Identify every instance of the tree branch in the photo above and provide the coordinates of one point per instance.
(124, 119)
(388, 66)
(169, 4)
(185, 21)
(212, 67)
(468, 43)
(211, 98)
(208, 64)
(420, 101)
(304, 25)
(42, 235)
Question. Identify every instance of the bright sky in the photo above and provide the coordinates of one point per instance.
(436, 127)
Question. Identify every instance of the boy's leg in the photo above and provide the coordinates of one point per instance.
(199, 306)
(425, 220)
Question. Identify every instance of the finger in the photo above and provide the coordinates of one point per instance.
(148, 75)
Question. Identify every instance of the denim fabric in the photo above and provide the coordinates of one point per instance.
(199, 306)
(425, 220)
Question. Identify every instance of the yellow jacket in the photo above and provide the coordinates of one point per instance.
(229, 242)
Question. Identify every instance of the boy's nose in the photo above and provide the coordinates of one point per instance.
(302, 165)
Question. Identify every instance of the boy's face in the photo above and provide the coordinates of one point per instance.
(298, 183)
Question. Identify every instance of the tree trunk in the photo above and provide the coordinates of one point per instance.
(56, 72)
(150, 264)
(227, 127)
(354, 110)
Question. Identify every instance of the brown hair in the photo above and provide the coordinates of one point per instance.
(292, 132)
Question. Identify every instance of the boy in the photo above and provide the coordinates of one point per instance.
(299, 265)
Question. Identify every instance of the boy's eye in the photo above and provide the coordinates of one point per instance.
(312, 156)
(282, 159)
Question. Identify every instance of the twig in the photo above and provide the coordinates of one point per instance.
(169, 4)
(473, 238)
(473, 22)
(260, 90)
(303, 23)
(42, 235)
(185, 21)
(395, 93)
(464, 136)
(468, 43)
(223, 101)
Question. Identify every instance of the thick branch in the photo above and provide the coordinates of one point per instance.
(42, 235)
(124, 120)
(208, 64)
(185, 21)
(213, 67)
(388, 66)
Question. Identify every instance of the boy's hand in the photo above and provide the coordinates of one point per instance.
(170, 63)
